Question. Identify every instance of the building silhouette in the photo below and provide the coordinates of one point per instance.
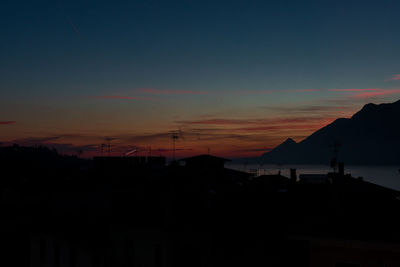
(140, 212)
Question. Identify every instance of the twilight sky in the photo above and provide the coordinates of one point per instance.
(235, 77)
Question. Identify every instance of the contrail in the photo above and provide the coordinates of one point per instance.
(69, 20)
(74, 27)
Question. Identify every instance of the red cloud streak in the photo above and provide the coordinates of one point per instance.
(395, 77)
(355, 90)
(254, 122)
(118, 97)
(169, 92)
(7, 122)
(303, 90)
(286, 127)
(382, 92)
(368, 92)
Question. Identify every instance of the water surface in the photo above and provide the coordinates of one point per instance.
(387, 176)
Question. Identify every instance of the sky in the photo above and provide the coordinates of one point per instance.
(233, 78)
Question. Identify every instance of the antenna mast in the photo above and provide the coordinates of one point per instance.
(109, 139)
(175, 136)
(101, 149)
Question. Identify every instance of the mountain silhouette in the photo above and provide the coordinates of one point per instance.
(370, 136)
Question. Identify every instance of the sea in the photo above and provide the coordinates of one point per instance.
(387, 176)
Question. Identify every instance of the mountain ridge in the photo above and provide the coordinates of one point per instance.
(370, 136)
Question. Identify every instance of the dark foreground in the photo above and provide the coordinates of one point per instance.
(62, 211)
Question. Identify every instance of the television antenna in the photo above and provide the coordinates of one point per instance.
(108, 140)
(102, 146)
(176, 134)
(79, 153)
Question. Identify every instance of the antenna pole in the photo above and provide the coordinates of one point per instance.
(175, 136)
(173, 147)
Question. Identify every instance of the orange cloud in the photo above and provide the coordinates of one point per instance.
(307, 109)
(283, 127)
(215, 122)
(219, 121)
(257, 149)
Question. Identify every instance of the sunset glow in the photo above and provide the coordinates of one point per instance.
(235, 78)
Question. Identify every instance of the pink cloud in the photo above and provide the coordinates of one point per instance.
(367, 92)
(245, 92)
(252, 92)
(7, 122)
(381, 92)
(118, 97)
(268, 91)
(395, 77)
(355, 90)
(169, 92)
(303, 90)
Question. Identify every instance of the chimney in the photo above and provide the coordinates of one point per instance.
(293, 175)
(341, 168)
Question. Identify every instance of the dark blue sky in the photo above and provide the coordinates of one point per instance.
(200, 44)
(72, 55)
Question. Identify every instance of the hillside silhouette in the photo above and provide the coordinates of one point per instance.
(370, 136)
(18, 162)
